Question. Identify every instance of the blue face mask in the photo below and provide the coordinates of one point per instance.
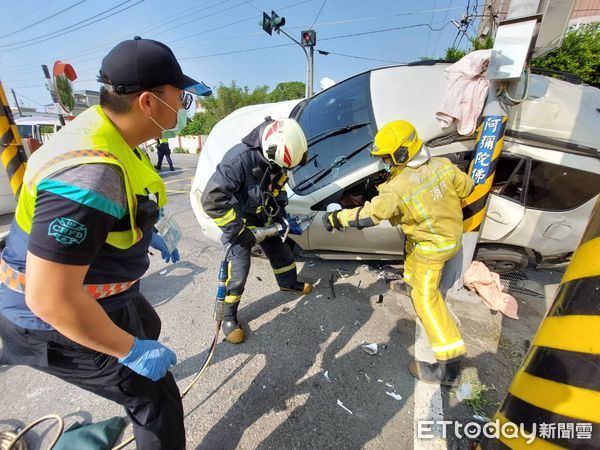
(168, 133)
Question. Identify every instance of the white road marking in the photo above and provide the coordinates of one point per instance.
(428, 397)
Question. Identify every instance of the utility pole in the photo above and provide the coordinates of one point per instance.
(308, 40)
(17, 102)
(517, 38)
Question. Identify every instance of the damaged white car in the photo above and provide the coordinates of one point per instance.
(546, 182)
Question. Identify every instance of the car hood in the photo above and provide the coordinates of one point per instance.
(230, 131)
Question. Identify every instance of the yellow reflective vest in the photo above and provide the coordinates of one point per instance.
(426, 202)
(91, 138)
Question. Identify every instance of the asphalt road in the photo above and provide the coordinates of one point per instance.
(283, 387)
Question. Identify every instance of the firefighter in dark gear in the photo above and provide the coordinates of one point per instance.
(423, 195)
(248, 190)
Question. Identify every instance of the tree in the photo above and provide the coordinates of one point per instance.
(291, 90)
(579, 55)
(454, 54)
(232, 97)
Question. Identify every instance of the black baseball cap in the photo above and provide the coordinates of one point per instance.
(139, 64)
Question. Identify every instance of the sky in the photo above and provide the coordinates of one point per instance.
(220, 41)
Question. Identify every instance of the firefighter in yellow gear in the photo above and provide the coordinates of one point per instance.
(423, 195)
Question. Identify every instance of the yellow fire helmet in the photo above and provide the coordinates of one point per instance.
(398, 140)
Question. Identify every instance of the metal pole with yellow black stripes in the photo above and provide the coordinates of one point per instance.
(556, 391)
(12, 153)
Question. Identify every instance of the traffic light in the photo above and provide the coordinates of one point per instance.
(276, 20)
(308, 38)
(266, 24)
(272, 22)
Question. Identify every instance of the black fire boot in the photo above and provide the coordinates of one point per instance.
(441, 372)
(230, 326)
(400, 287)
(298, 286)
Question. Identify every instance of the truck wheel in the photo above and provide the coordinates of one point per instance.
(502, 259)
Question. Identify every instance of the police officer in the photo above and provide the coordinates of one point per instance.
(248, 190)
(70, 303)
(163, 151)
(423, 195)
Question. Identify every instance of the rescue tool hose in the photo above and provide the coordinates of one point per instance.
(15, 442)
(218, 314)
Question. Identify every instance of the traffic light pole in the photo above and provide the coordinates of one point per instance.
(309, 64)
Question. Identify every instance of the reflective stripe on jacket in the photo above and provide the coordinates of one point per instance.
(425, 201)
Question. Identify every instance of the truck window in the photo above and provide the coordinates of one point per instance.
(558, 188)
(25, 131)
(343, 105)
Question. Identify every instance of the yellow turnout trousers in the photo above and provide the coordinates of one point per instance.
(424, 277)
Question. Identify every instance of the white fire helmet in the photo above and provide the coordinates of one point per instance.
(283, 142)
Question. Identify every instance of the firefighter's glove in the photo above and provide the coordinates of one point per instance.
(149, 358)
(159, 243)
(331, 221)
(245, 239)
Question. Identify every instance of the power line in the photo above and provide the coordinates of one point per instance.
(430, 22)
(107, 45)
(440, 33)
(250, 4)
(322, 39)
(318, 14)
(78, 28)
(28, 99)
(233, 23)
(326, 53)
(63, 29)
(43, 20)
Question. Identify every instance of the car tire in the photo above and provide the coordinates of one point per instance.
(502, 259)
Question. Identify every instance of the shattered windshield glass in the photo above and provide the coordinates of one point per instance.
(337, 123)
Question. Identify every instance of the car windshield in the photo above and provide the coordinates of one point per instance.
(339, 127)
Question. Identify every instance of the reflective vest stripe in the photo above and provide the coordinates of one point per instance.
(15, 281)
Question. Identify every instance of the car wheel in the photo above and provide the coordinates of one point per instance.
(502, 259)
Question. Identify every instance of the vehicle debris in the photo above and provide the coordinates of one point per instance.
(371, 349)
(367, 377)
(380, 299)
(326, 375)
(312, 264)
(481, 418)
(259, 278)
(390, 385)
(162, 272)
(395, 396)
(342, 405)
(464, 392)
(331, 281)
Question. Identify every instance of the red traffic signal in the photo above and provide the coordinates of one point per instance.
(308, 38)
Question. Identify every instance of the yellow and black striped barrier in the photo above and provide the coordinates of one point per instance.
(490, 138)
(556, 391)
(12, 152)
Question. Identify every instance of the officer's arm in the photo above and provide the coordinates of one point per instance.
(463, 183)
(386, 205)
(55, 294)
(217, 198)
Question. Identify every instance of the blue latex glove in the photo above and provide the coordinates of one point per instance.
(149, 358)
(158, 243)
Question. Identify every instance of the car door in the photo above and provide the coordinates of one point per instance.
(559, 200)
(506, 208)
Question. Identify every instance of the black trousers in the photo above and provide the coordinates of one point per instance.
(164, 154)
(280, 256)
(154, 408)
